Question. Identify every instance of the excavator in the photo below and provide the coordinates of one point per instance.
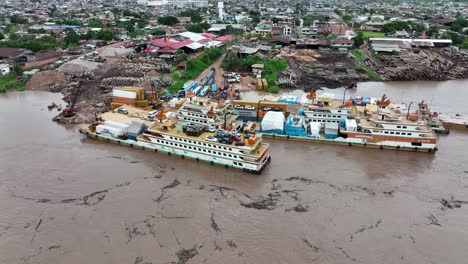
(155, 102)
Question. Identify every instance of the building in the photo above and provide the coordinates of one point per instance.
(189, 3)
(29, 60)
(10, 53)
(4, 69)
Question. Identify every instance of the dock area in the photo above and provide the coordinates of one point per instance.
(454, 121)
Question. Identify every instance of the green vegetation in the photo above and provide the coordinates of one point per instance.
(357, 54)
(158, 32)
(44, 43)
(193, 14)
(168, 20)
(370, 34)
(369, 72)
(195, 66)
(456, 38)
(196, 28)
(270, 70)
(403, 25)
(10, 82)
(459, 24)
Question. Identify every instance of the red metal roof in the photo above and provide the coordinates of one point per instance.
(223, 38)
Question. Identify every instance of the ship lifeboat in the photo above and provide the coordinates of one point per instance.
(252, 139)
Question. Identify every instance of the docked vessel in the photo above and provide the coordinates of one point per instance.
(379, 125)
(199, 136)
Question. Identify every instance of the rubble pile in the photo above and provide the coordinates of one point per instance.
(130, 81)
(434, 65)
(329, 69)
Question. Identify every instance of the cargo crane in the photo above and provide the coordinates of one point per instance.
(155, 102)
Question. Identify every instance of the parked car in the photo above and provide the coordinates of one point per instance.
(221, 134)
(240, 143)
(211, 139)
(122, 111)
(235, 137)
(152, 114)
(226, 141)
(212, 129)
(239, 107)
(265, 108)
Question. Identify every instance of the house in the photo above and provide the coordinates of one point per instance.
(342, 43)
(4, 69)
(10, 53)
(29, 60)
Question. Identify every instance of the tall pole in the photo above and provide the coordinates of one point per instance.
(409, 106)
(344, 94)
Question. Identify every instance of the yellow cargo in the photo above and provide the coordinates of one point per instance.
(265, 84)
(115, 105)
(259, 85)
(180, 103)
(142, 103)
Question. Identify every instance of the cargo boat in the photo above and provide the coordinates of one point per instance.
(196, 141)
(325, 120)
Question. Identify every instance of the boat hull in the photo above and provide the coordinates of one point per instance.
(170, 151)
(350, 143)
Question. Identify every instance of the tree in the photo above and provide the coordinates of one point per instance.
(105, 35)
(418, 27)
(347, 18)
(16, 19)
(168, 20)
(193, 14)
(205, 25)
(275, 20)
(456, 38)
(432, 31)
(72, 37)
(89, 35)
(194, 28)
(96, 23)
(331, 36)
(359, 39)
(297, 22)
(17, 70)
(2, 36)
(157, 32)
(256, 20)
(14, 36)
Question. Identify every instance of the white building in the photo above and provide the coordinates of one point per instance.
(189, 3)
(5, 69)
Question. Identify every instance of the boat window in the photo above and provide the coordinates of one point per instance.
(398, 126)
(404, 126)
(409, 134)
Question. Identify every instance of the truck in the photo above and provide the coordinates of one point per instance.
(214, 88)
(233, 79)
(203, 91)
(189, 85)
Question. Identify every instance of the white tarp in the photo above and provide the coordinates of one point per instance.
(124, 94)
(124, 127)
(103, 129)
(273, 121)
(351, 125)
(315, 129)
(173, 102)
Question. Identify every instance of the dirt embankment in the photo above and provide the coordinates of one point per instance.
(430, 65)
(87, 86)
(315, 69)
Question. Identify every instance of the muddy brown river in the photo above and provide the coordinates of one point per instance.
(68, 199)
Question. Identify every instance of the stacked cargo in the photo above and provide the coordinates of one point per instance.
(129, 95)
(351, 125)
(295, 126)
(123, 127)
(331, 130)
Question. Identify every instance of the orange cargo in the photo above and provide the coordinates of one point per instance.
(252, 139)
(123, 100)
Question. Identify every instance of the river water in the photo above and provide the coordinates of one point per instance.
(68, 199)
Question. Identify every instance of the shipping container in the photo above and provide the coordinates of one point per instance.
(331, 130)
(124, 94)
(214, 88)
